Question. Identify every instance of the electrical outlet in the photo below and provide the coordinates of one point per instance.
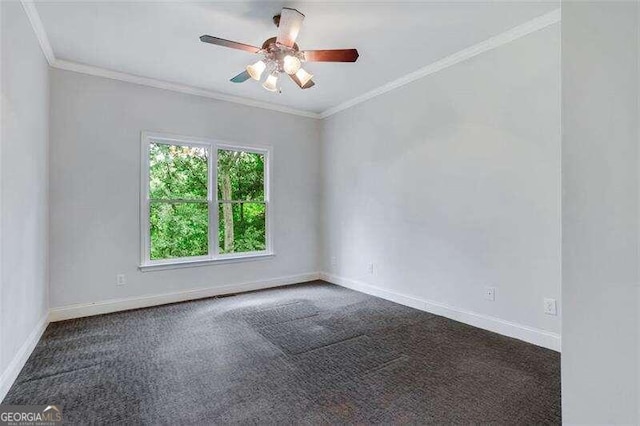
(550, 307)
(334, 261)
(121, 280)
(371, 268)
(490, 293)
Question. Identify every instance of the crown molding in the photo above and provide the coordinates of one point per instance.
(508, 36)
(38, 28)
(34, 18)
(175, 87)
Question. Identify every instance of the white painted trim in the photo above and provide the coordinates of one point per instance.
(38, 28)
(508, 36)
(116, 305)
(532, 335)
(460, 56)
(36, 23)
(10, 374)
(216, 260)
(213, 256)
(528, 334)
(175, 87)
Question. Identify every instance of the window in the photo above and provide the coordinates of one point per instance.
(202, 201)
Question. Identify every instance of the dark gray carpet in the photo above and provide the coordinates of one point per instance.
(309, 353)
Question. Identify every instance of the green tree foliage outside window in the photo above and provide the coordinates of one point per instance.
(179, 210)
(242, 217)
(179, 213)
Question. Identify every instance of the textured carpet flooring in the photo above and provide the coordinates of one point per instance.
(309, 353)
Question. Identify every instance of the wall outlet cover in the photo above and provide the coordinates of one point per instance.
(121, 280)
(550, 307)
(490, 293)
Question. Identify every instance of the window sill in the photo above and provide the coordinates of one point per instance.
(189, 263)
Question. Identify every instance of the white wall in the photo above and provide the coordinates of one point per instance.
(452, 183)
(600, 213)
(95, 186)
(23, 186)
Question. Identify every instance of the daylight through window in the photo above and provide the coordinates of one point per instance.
(202, 201)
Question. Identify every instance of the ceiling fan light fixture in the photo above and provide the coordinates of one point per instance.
(303, 76)
(291, 64)
(256, 70)
(271, 82)
(281, 54)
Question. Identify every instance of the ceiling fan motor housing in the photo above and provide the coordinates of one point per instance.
(275, 53)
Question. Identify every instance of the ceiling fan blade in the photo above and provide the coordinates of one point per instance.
(241, 78)
(336, 55)
(229, 43)
(289, 26)
(309, 84)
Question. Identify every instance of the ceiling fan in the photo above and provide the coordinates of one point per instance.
(281, 54)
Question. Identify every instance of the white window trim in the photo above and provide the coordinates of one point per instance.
(214, 257)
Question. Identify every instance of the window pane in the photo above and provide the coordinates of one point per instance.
(242, 227)
(177, 172)
(240, 175)
(179, 230)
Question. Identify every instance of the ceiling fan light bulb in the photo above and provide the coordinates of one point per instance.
(303, 76)
(271, 82)
(291, 64)
(255, 70)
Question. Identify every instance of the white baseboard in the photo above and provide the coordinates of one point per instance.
(116, 305)
(87, 309)
(10, 374)
(528, 334)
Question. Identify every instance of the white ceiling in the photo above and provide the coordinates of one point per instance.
(159, 40)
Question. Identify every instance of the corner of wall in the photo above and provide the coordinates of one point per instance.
(26, 102)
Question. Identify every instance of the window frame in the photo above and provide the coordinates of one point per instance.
(213, 256)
